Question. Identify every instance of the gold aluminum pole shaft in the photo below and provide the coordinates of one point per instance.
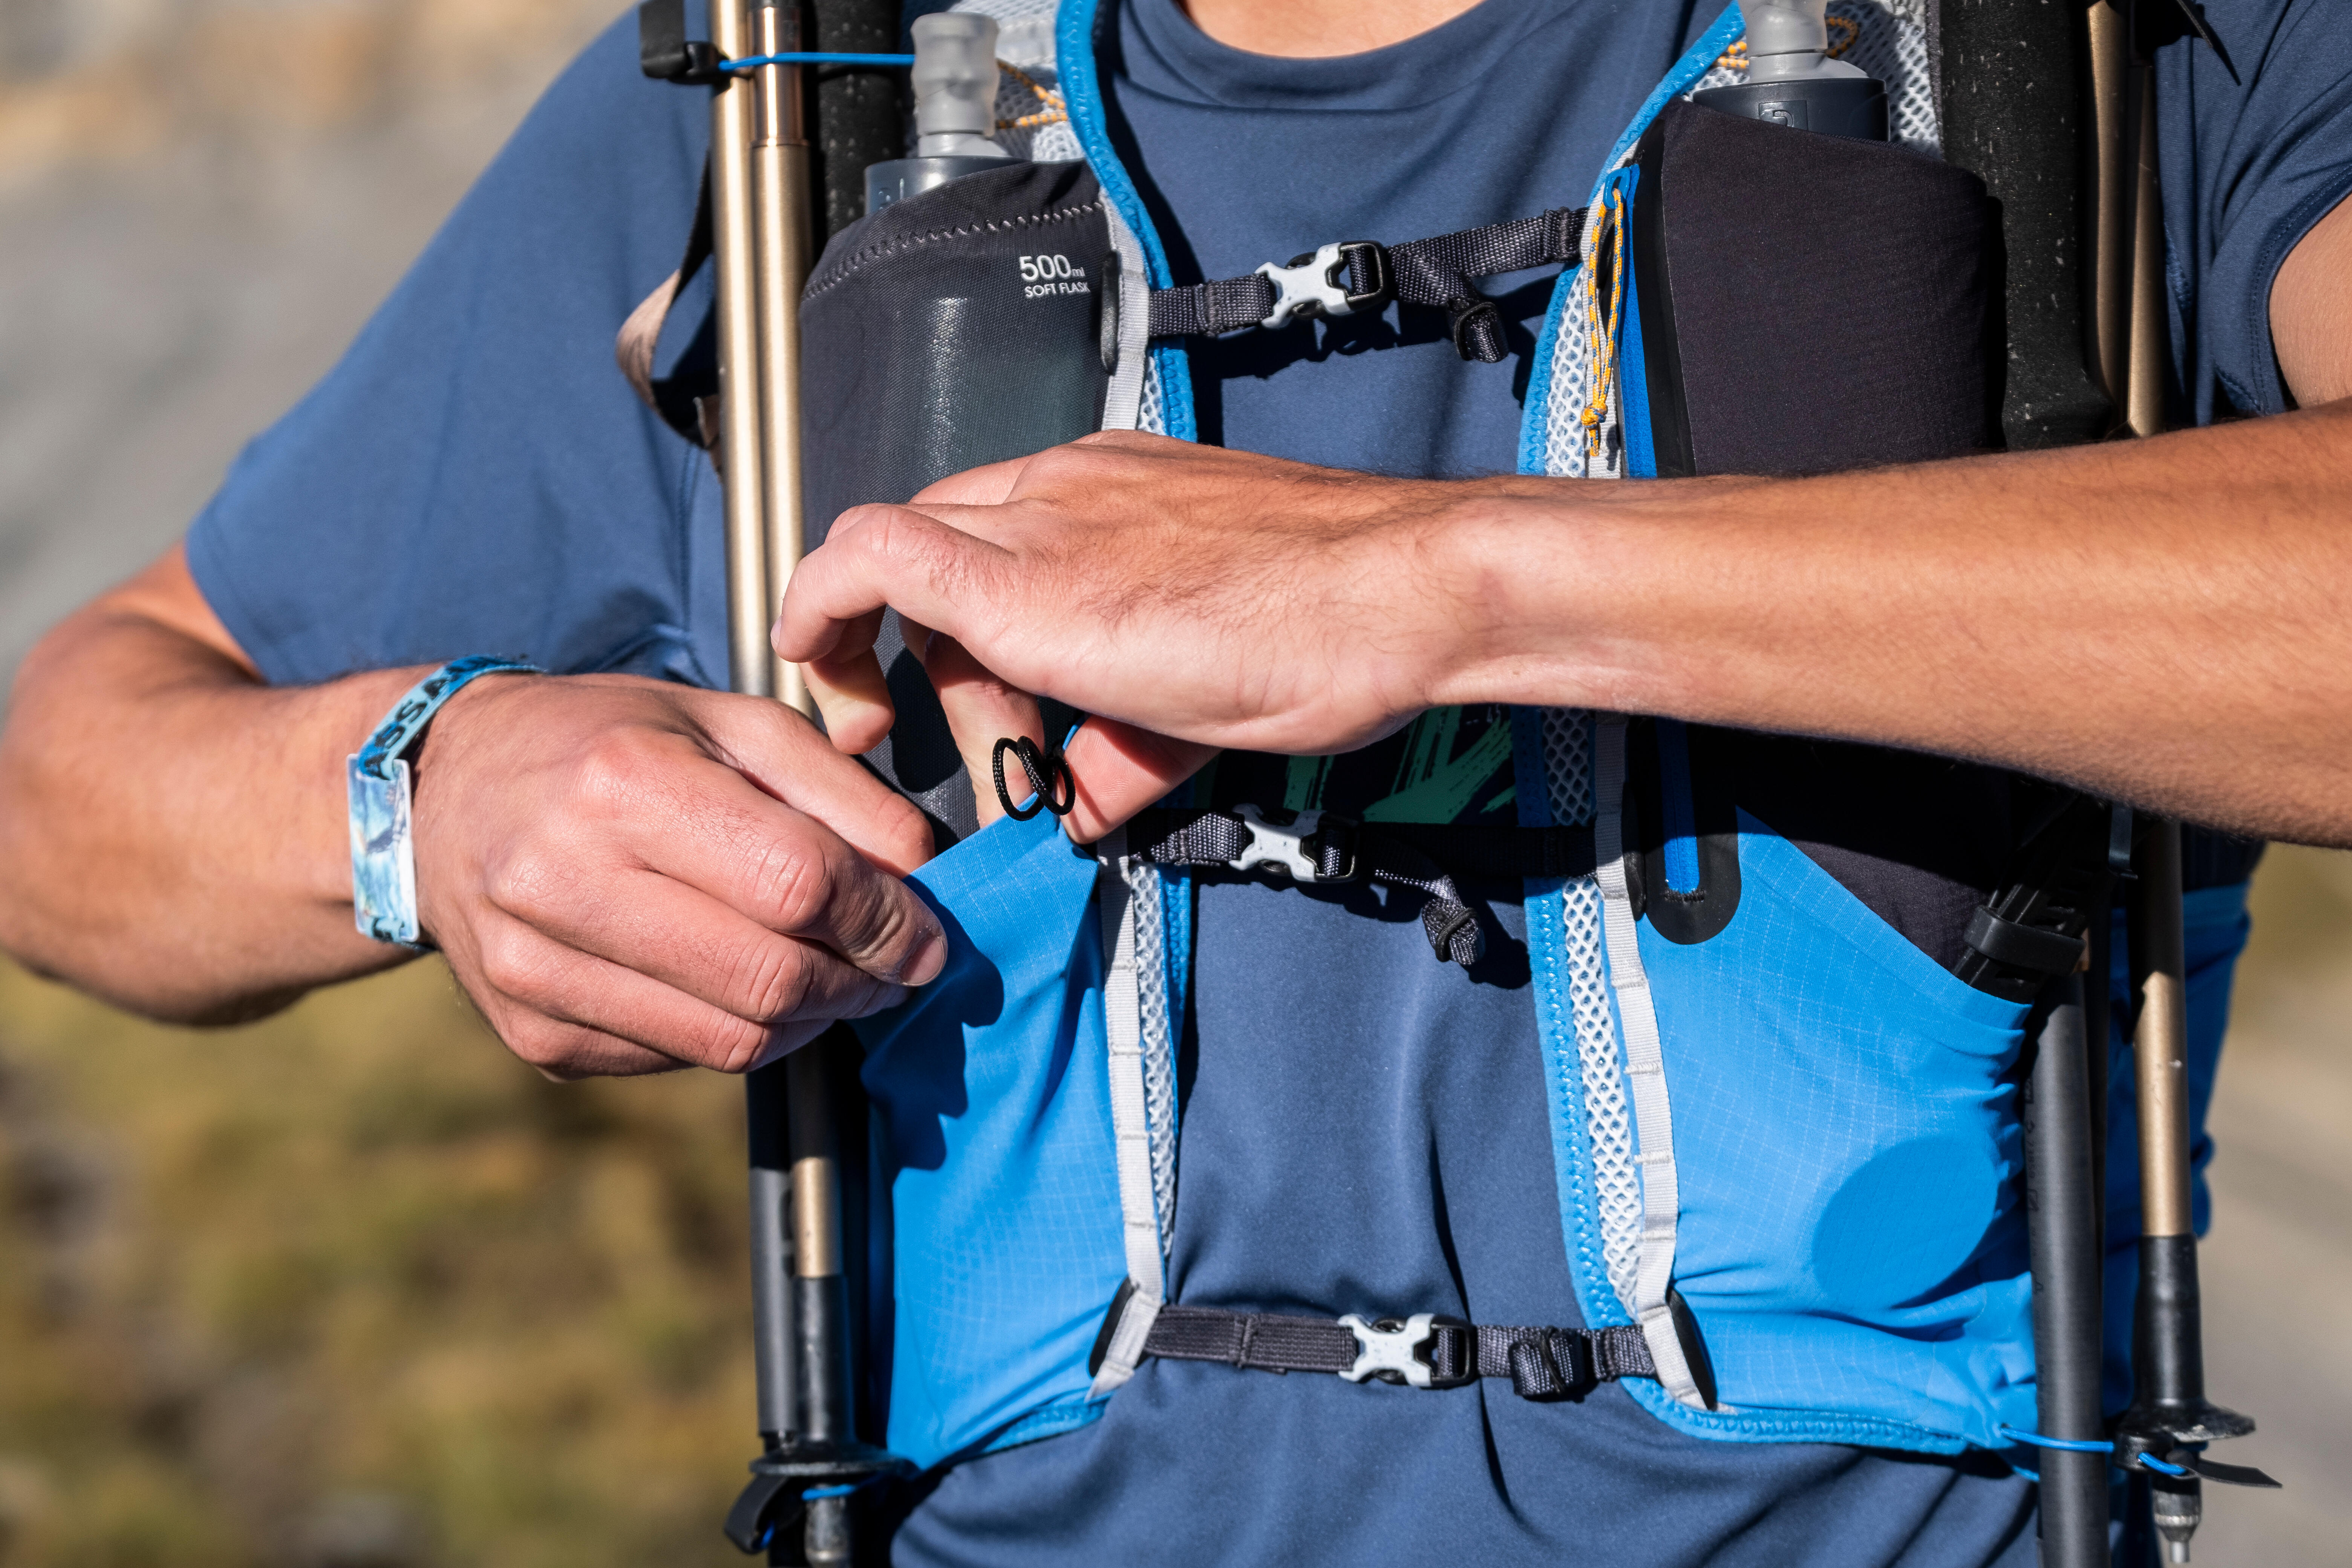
(779, 184)
(2151, 325)
(739, 436)
(2161, 1042)
(2115, 143)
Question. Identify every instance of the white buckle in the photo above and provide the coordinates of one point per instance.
(1279, 849)
(1305, 289)
(1382, 1352)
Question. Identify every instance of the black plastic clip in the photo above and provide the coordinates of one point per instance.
(664, 51)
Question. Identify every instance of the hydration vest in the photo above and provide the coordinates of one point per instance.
(1785, 1131)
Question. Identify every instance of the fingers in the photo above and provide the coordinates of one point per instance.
(792, 875)
(884, 555)
(851, 689)
(573, 1014)
(787, 758)
(981, 711)
(1119, 770)
(728, 828)
(696, 945)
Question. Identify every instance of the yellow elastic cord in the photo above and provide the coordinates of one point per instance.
(1604, 339)
(1055, 113)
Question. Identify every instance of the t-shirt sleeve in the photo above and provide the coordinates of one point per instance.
(2247, 168)
(476, 476)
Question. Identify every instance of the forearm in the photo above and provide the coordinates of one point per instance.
(2162, 621)
(171, 831)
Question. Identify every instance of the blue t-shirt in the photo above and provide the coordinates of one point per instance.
(1363, 1128)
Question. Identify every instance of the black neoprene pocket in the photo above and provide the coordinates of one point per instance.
(1810, 303)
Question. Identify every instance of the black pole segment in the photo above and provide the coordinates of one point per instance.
(2061, 1193)
(2167, 1332)
(2013, 78)
(774, 1344)
(861, 112)
(2098, 1031)
(821, 1300)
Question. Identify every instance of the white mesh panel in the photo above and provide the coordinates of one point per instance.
(1890, 44)
(1567, 451)
(1608, 1124)
(1024, 40)
(1608, 1128)
(1158, 1040)
(1151, 416)
(1568, 764)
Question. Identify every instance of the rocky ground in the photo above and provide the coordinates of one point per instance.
(348, 1288)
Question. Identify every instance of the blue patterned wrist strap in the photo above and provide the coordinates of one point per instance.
(384, 853)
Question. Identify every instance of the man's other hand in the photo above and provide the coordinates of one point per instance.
(1190, 598)
(629, 877)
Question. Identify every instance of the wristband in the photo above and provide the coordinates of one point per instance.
(383, 852)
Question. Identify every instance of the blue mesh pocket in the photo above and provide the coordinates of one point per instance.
(992, 1104)
(1846, 1142)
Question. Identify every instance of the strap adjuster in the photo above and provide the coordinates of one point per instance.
(1290, 847)
(1312, 284)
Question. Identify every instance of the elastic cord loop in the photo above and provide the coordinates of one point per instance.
(2087, 1446)
(1049, 778)
(2071, 1445)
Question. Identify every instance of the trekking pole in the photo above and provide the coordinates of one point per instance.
(817, 1459)
(761, 197)
(2162, 1436)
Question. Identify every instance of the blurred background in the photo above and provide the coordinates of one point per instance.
(351, 1289)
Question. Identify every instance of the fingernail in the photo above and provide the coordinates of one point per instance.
(929, 960)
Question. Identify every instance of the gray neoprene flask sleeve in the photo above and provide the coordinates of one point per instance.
(955, 328)
(960, 326)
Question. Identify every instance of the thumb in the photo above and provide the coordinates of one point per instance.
(1119, 770)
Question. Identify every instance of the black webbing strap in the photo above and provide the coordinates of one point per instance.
(1541, 1363)
(1434, 272)
(1424, 857)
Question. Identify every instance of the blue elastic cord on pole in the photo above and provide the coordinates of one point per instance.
(818, 1494)
(2072, 1445)
(752, 62)
(2087, 1446)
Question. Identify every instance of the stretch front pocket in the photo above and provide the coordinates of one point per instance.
(992, 1105)
(1847, 1143)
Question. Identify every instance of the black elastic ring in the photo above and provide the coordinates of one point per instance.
(1049, 778)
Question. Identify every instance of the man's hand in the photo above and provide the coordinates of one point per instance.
(1192, 597)
(629, 877)
(2158, 621)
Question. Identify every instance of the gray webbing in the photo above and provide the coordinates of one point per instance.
(1123, 402)
(1130, 1122)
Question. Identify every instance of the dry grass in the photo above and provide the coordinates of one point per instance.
(352, 1287)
